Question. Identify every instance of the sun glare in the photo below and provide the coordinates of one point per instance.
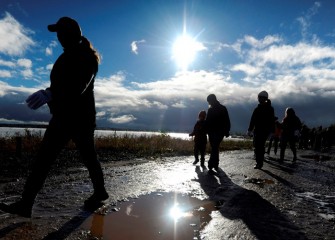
(184, 51)
(176, 212)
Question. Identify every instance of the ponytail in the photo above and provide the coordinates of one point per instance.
(87, 44)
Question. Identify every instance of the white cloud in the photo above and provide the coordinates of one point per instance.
(7, 63)
(262, 43)
(122, 119)
(179, 105)
(247, 68)
(26, 63)
(101, 114)
(134, 46)
(5, 74)
(27, 73)
(49, 49)
(49, 66)
(14, 38)
(6, 89)
(305, 20)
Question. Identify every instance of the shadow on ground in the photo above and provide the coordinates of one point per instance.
(261, 218)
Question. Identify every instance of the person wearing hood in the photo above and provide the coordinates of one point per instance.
(70, 98)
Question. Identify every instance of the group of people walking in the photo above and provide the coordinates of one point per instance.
(70, 98)
(263, 124)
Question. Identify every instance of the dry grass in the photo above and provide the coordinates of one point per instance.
(18, 151)
(144, 145)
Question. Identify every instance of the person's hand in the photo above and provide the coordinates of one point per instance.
(38, 99)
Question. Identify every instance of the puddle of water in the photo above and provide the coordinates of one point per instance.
(153, 216)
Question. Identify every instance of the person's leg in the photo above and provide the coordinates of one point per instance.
(215, 141)
(260, 140)
(196, 153)
(53, 141)
(275, 145)
(202, 153)
(293, 147)
(84, 140)
(283, 144)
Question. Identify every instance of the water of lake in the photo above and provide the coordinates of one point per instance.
(10, 132)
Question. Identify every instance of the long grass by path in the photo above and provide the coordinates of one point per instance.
(17, 152)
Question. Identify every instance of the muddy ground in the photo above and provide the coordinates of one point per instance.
(281, 201)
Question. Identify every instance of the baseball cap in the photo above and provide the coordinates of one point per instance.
(66, 24)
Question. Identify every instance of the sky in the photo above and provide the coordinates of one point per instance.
(161, 59)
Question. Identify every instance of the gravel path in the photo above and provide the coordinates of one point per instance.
(281, 201)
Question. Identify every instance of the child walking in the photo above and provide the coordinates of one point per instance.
(200, 138)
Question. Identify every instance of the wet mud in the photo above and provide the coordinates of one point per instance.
(170, 198)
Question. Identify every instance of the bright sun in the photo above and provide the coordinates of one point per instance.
(184, 50)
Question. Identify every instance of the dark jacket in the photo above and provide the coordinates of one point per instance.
(290, 125)
(218, 121)
(69, 77)
(199, 132)
(262, 120)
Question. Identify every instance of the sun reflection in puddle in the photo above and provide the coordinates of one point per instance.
(153, 216)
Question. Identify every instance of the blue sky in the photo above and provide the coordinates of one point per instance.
(160, 59)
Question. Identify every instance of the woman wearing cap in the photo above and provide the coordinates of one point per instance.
(261, 125)
(71, 102)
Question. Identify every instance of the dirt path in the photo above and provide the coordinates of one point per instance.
(281, 201)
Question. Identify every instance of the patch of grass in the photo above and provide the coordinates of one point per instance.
(17, 152)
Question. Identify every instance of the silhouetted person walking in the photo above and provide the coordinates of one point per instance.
(291, 126)
(200, 138)
(71, 101)
(218, 127)
(261, 125)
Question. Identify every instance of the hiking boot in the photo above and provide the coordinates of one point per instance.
(96, 199)
(258, 166)
(19, 208)
(195, 161)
